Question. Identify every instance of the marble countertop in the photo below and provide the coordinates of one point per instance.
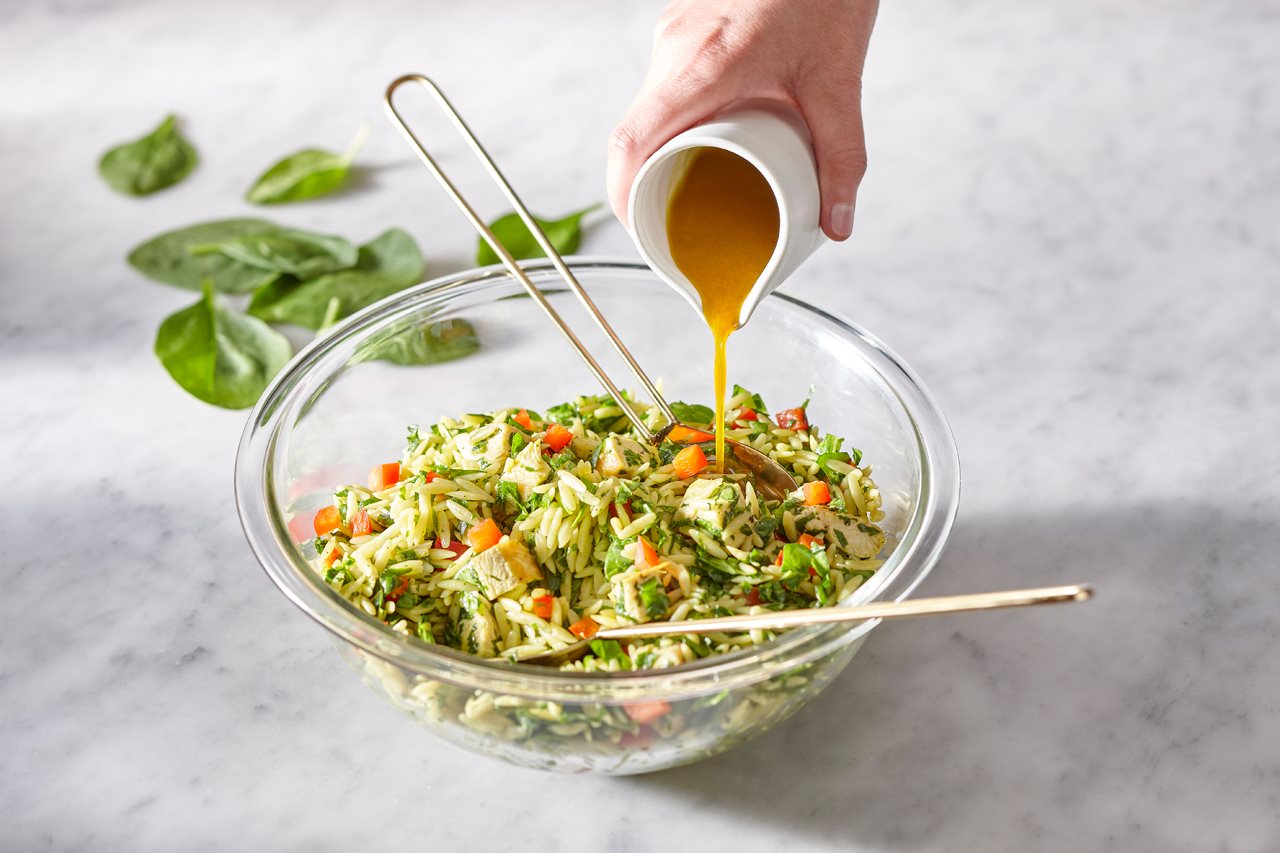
(1069, 229)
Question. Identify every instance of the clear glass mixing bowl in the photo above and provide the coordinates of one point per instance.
(335, 410)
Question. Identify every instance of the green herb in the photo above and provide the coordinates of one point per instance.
(168, 257)
(796, 561)
(518, 441)
(286, 250)
(508, 492)
(609, 651)
(828, 450)
(218, 356)
(692, 413)
(158, 160)
(715, 569)
(614, 562)
(307, 174)
(424, 632)
(434, 343)
(757, 402)
(563, 414)
(667, 451)
(765, 527)
(654, 598)
(565, 234)
(384, 266)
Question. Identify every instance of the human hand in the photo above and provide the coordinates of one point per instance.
(709, 54)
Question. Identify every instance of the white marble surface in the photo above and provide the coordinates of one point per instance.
(1071, 228)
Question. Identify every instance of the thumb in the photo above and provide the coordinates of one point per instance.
(834, 116)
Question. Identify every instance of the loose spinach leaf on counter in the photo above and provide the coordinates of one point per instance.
(384, 266)
(434, 343)
(693, 413)
(169, 259)
(158, 160)
(219, 356)
(306, 174)
(286, 250)
(565, 234)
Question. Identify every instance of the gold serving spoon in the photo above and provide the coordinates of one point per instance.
(782, 619)
(771, 480)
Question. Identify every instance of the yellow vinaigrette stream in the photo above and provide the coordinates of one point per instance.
(722, 227)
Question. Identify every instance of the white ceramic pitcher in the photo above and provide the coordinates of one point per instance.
(775, 140)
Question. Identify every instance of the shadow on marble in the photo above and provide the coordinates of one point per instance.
(1072, 728)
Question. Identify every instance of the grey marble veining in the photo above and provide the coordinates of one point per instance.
(1070, 229)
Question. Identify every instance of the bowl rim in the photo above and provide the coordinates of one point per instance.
(919, 548)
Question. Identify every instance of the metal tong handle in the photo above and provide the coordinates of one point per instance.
(510, 263)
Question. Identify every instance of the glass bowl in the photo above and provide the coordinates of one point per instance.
(340, 406)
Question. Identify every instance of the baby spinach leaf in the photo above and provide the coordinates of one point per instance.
(614, 561)
(393, 254)
(219, 356)
(306, 174)
(286, 250)
(435, 343)
(610, 650)
(565, 234)
(158, 160)
(384, 266)
(168, 258)
(693, 413)
(654, 598)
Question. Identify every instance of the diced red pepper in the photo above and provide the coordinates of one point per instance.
(689, 462)
(428, 476)
(647, 712)
(646, 556)
(809, 541)
(543, 606)
(556, 437)
(522, 417)
(361, 524)
(682, 434)
(327, 520)
(795, 419)
(454, 545)
(384, 476)
(817, 494)
(484, 535)
(753, 597)
(335, 554)
(778, 561)
(749, 415)
(585, 628)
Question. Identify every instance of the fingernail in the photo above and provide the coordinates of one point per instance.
(842, 220)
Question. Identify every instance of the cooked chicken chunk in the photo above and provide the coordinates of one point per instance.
(641, 593)
(622, 455)
(854, 537)
(477, 629)
(484, 446)
(528, 469)
(504, 567)
(711, 502)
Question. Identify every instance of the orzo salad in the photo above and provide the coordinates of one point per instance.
(509, 533)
